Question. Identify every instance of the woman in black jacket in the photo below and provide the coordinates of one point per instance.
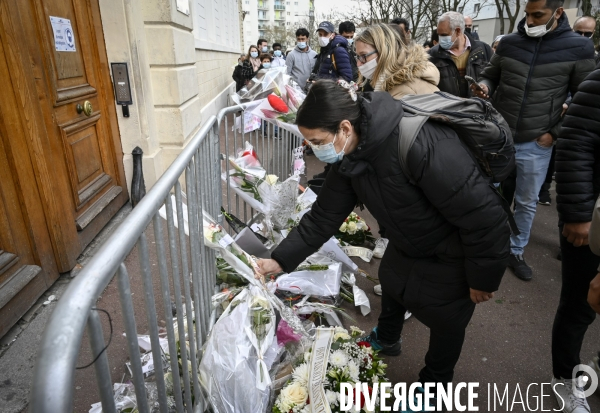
(448, 232)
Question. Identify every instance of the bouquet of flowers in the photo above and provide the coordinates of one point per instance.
(263, 84)
(347, 362)
(281, 108)
(354, 231)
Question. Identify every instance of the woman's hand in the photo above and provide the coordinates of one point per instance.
(268, 267)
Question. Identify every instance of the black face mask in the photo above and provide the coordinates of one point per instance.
(468, 30)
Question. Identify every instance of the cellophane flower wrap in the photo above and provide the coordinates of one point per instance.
(348, 362)
(238, 359)
(354, 231)
(265, 193)
(266, 82)
(281, 108)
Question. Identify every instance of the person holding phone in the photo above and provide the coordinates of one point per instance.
(528, 80)
(457, 55)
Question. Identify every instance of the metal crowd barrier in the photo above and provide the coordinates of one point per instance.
(186, 270)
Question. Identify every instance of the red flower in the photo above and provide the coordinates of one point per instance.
(364, 344)
(278, 104)
(250, 152)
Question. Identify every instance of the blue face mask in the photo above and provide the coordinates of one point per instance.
(326, 153)
(446, 42)
(266, 65)
(254, 54)
(277, 53)
(302, 45)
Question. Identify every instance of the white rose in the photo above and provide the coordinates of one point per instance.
(341, 336)
(271, 179)
(352, 228)
(293, 395)
(343, 227)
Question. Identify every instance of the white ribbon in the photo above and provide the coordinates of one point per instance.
(364, 254)
(318, 370)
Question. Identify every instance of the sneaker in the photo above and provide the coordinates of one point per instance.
(393, 349)
(380, 246)
(520, 268)
(572, 399)
(544, 196)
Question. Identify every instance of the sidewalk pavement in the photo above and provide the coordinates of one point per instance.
(508, 340)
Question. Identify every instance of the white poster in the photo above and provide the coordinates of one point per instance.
(183, 6)
(64, 38)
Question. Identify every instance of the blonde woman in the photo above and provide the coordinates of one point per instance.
(389, 64)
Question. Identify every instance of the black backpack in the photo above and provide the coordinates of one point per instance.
(478, 125)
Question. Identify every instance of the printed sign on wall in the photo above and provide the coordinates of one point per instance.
(64, 38)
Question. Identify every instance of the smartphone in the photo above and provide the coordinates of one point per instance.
(473, 82)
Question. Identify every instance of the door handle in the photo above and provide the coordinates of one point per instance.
(86, 108)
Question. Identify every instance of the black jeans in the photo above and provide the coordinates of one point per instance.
(574, 314)
(445, 307)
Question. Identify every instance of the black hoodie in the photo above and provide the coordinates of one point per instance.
(450, 226)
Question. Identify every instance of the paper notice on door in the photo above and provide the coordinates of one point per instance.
(64, 37)
(183, 6)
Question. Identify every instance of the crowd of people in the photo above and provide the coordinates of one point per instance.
(445, 235)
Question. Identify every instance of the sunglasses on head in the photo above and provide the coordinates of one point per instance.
(363, 58)
(586, 34)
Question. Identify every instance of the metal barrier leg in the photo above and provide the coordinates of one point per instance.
(178, 303)
(189, 308)
(132, 341)
(152, 323)
(166, 295)
(101, 365)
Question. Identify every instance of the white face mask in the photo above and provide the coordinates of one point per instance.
(323, 41)
(350, 41)
(541, 30)
(368, 69)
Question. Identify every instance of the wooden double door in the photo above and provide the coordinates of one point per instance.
(61, 162)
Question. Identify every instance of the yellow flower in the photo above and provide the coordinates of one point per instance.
(271, 179)
(293, 395)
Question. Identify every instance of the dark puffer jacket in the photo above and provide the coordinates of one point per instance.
(336, 51)
(479, 56)
(529, 78)
(450, 227)
(578, 154)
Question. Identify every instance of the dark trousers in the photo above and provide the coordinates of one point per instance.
(574, 314)
(444, 307)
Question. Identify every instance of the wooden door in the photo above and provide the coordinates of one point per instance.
(85, 154)
(74, 159)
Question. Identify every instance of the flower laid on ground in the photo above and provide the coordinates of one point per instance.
(354, 231)
(349, 362)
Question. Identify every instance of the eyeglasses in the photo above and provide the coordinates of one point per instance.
(586, 34)
(363, 58)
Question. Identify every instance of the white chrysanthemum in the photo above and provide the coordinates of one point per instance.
(353, 370)
(344, 227)
(332, 397)
(338, 358)
(352, 228)
(292, 395)
(341, 336)
(301, 374)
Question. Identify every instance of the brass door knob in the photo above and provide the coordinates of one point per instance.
(86, 108)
